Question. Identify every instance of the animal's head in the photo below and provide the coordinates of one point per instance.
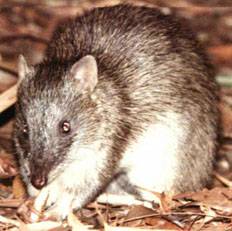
(54, 111)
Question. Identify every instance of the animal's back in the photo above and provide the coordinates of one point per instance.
(136, 47)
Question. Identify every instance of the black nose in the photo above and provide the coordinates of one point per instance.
(39, 180)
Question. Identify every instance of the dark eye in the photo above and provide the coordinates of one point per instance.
(65, 127)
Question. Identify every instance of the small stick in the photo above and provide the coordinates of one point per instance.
(43, 225)
(9, 221)
(11, 203)
(223, 180)
(110, 228)
(8, 98)
(11, 38)
(9, 71)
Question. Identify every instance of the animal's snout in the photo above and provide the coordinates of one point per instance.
(39, 180)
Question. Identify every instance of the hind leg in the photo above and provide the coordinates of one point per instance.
(120, 192)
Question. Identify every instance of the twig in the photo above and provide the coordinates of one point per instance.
(224, 81)
(223, 180)
(43, 225)
(9, 71)
(76, 225)
(20, 4)
(10, 38)
(11, 203)
(174, 213)
(9, 221)
(121, 228)
(8, 98)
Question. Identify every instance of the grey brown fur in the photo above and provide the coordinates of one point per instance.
(148, 64)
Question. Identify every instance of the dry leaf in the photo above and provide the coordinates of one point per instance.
(210, 214)
(18, 187)
(75, 224)
(7, 165)
(221, 53)
(226, 116)
(110, 228)
(5, 220)
(40, 226)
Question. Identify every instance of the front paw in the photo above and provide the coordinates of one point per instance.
(52, 203)
(60, 208)
(53, 195)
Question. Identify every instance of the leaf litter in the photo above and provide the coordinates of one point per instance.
(209, 209)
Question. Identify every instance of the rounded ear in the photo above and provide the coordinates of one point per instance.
(23, 68)
(85, 71)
